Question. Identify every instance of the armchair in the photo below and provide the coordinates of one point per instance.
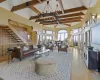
(63, 48)
(50, 46)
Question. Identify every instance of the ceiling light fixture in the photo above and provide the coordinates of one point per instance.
(47, 12)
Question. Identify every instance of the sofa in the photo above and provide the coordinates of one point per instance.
(23, 51)
(28, 50)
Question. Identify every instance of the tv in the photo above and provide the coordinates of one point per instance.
(96, 34)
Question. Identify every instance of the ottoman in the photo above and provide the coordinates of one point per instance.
(45, 66)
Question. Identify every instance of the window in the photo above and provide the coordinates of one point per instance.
(62, 35)
(75, 40)
(75, 31)
(28, 36)
(44, 31)
(49, 32)
(43, 37)
(49, 37)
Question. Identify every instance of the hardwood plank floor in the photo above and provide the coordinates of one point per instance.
(79, 70)
(3, 58)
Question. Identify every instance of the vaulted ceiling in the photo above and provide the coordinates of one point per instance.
(74, 9)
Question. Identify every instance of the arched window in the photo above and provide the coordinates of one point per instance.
(62, 35)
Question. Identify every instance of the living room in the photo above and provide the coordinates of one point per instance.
(49, 40)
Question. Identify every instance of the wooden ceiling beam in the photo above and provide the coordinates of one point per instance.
(57, 24)
(63, 20)
(73, 10)
(68, 20)
(65, 11)
(72, 18)
(34, 9)
(60, 22)
(68, 25)
(61, 6)
(25, 5)
(2, 1)
(72, 15)
(40, 1)
(62, 16)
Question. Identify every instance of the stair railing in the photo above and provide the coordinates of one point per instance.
(23, 34)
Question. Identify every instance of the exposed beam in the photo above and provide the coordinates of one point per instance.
(61, 6)
(73, 10)
(25, 5)
(62, 16)
(68, 25)
(65, 11)
(1, 1)
(68, 20)
(72, 15)
(65, 16)
(72, 18)
(63, 20)
(40, 1)
(49, 23)
(57, 24)
(34, 9)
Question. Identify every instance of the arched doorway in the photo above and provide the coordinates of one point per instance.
(62, 35)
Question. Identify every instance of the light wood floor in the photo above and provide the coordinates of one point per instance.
(4, 58)
(79, 70)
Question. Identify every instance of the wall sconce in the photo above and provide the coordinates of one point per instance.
(94, 18)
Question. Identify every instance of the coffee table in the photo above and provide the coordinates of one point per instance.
(42, 53)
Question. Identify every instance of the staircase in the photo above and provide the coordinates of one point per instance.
(18, 30)
(12, 35)
(8, 39)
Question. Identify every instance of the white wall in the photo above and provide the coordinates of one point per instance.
(96, 46)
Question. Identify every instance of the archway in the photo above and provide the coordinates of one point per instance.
(62, 35)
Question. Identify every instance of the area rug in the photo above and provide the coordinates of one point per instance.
(25, 70)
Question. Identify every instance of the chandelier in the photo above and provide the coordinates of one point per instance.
(48, 12)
